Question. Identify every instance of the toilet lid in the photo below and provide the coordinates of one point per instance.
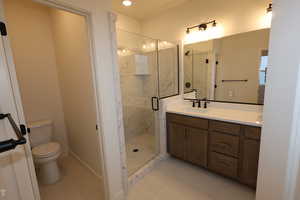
(46, 150)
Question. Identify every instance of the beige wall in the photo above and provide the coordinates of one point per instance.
(233, 16)
(29, 27)
(54, 72)
(239, 58)
(107, 92)
(76, 82)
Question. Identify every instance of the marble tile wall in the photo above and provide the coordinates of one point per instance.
(137, 91)
(168, 72)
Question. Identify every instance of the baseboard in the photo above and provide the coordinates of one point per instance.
(85, 165)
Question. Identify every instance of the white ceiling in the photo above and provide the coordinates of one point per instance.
(145, 9)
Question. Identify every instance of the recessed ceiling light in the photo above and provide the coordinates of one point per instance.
(127, 3)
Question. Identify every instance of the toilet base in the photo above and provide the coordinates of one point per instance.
(49, 172)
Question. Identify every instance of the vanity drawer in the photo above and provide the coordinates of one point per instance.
(222, 164)
(188, 121)
(224, 143)
(225, 127)
(252, 132)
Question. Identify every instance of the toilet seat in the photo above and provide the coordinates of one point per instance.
(46, 150)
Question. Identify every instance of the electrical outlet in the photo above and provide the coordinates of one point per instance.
(230, 93)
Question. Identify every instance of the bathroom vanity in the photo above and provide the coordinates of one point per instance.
(224, 141)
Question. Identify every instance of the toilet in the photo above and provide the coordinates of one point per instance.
(45, 152)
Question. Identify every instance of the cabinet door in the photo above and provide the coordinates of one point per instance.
(196, 145)
(176, 140)
(250, 162)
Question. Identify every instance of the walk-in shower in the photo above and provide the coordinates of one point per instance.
(148, 72)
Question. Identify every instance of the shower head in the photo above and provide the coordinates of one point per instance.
(187, 53)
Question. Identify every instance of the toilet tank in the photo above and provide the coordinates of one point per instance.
(40, 132)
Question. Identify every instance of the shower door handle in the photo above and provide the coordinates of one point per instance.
(11, 144)
(155, 103)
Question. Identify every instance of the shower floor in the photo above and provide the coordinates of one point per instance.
(140, 150)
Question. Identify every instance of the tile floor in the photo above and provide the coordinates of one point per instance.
(177, 180)
(77, 183)
(145, 143)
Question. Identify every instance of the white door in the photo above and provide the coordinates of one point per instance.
(17, 176)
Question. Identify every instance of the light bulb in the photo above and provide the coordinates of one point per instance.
(127, 3)
(269, 18)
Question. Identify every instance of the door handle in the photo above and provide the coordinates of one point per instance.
(11, 144)
(155, 103)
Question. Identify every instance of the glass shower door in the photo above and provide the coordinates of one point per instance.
(137, 57)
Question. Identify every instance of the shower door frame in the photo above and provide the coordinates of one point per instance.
(156, 111)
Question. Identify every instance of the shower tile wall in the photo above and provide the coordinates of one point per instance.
(139, 118)
(137, 91)
(140, 79)
(168, 72)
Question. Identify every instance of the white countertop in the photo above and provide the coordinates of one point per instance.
(247, 115)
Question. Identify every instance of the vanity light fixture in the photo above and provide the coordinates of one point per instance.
(202, 27)
(214, 24)
(127, 3)
(267, 19)
(270, 8)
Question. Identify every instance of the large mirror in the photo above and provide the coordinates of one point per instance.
(230, 69)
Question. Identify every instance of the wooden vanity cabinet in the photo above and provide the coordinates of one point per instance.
(196, 146)
(177, 140)
(250, 155)
(186, 142)
(225, 148)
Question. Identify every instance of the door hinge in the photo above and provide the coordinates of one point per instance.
(3, 29)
